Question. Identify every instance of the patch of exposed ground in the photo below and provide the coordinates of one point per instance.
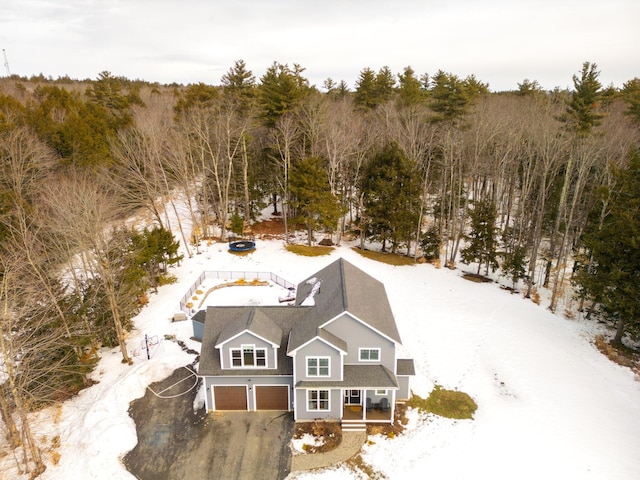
(269, 229)
(330, 432)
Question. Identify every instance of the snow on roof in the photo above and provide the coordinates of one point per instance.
(309, 300)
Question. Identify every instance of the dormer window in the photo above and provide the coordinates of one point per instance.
(248, 356)
(369, 354)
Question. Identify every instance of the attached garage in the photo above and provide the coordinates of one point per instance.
(230, 397)
(272, 397)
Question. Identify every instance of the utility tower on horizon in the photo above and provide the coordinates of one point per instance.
(6, 62)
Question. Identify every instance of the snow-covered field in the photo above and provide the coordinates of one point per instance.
(549, 404)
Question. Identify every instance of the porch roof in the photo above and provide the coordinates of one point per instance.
(357, 377)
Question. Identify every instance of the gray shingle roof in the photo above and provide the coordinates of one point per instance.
(343, 287)
(405, 367)
(199, 316)
(332, 339)
(219, 318)
(255, 321)
(357, 377)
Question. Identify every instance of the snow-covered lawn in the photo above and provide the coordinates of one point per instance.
(247, 294)
(549, 404)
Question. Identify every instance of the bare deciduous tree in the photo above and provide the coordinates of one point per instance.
(83, 213)
(16, 341)
(283, 139)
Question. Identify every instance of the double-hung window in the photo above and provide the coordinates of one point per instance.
(318, 400)
(236, 357)
(261, 357)
(248, 356)
(318, 366)
(369, 354)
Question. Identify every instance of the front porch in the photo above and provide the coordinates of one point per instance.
(368, 406)
(351, 413)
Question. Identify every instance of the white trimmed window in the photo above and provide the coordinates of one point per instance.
(381, 392)
(369, 354)
(318, 366)
(248, 356)
(318, 400)
(261, 357)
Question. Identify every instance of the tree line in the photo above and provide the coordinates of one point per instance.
(539, 184)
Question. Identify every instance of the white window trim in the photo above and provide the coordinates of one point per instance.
(255, 349)
(381, 392)
(369, 349)
(318, 358)
(328, 409)
(255, 357)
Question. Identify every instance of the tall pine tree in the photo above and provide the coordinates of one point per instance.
(612, 277)
(482, 243)
(280, 90)
(391, 192)
(313, 202)
(582, 113)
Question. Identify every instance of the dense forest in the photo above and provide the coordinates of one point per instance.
(542, 185)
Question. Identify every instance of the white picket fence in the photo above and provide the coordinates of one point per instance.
(230, 275)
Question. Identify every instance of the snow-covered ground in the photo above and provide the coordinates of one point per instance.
(549, 404)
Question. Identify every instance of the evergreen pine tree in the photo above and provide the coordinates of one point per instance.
(410, 90)
(514, 257)
(582, 113)
(514, 264)
(391, 197)
(384, 85)
(430, 243)
(482, 243)
(314, 203)
(280, 89)
(198, 95)
(155, 249)
(240, 85)
(365, 95)
(631, 95)
(529, 87)
(449, 97)
(612, 279)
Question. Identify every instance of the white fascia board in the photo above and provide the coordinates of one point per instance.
(328, 322)
(246, 330)
(317, 337)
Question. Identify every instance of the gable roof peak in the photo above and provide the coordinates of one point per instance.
(254, 320)
(344, 288)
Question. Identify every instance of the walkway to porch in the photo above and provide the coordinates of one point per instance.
(351, 444)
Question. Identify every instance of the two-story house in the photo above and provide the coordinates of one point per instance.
(332, 355)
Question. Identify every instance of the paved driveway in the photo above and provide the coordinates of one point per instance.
(174, 443)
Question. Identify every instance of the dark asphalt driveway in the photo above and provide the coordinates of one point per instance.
(174, 443)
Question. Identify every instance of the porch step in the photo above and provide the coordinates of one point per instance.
(354, 427)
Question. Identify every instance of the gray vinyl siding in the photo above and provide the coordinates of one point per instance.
(318, 348)
(335, 406)
(359, 336)
(198, 329)
(403, 390)
(251, 382)
(247, 339)
(376, 398)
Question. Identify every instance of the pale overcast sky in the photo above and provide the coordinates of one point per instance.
(502, 42)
